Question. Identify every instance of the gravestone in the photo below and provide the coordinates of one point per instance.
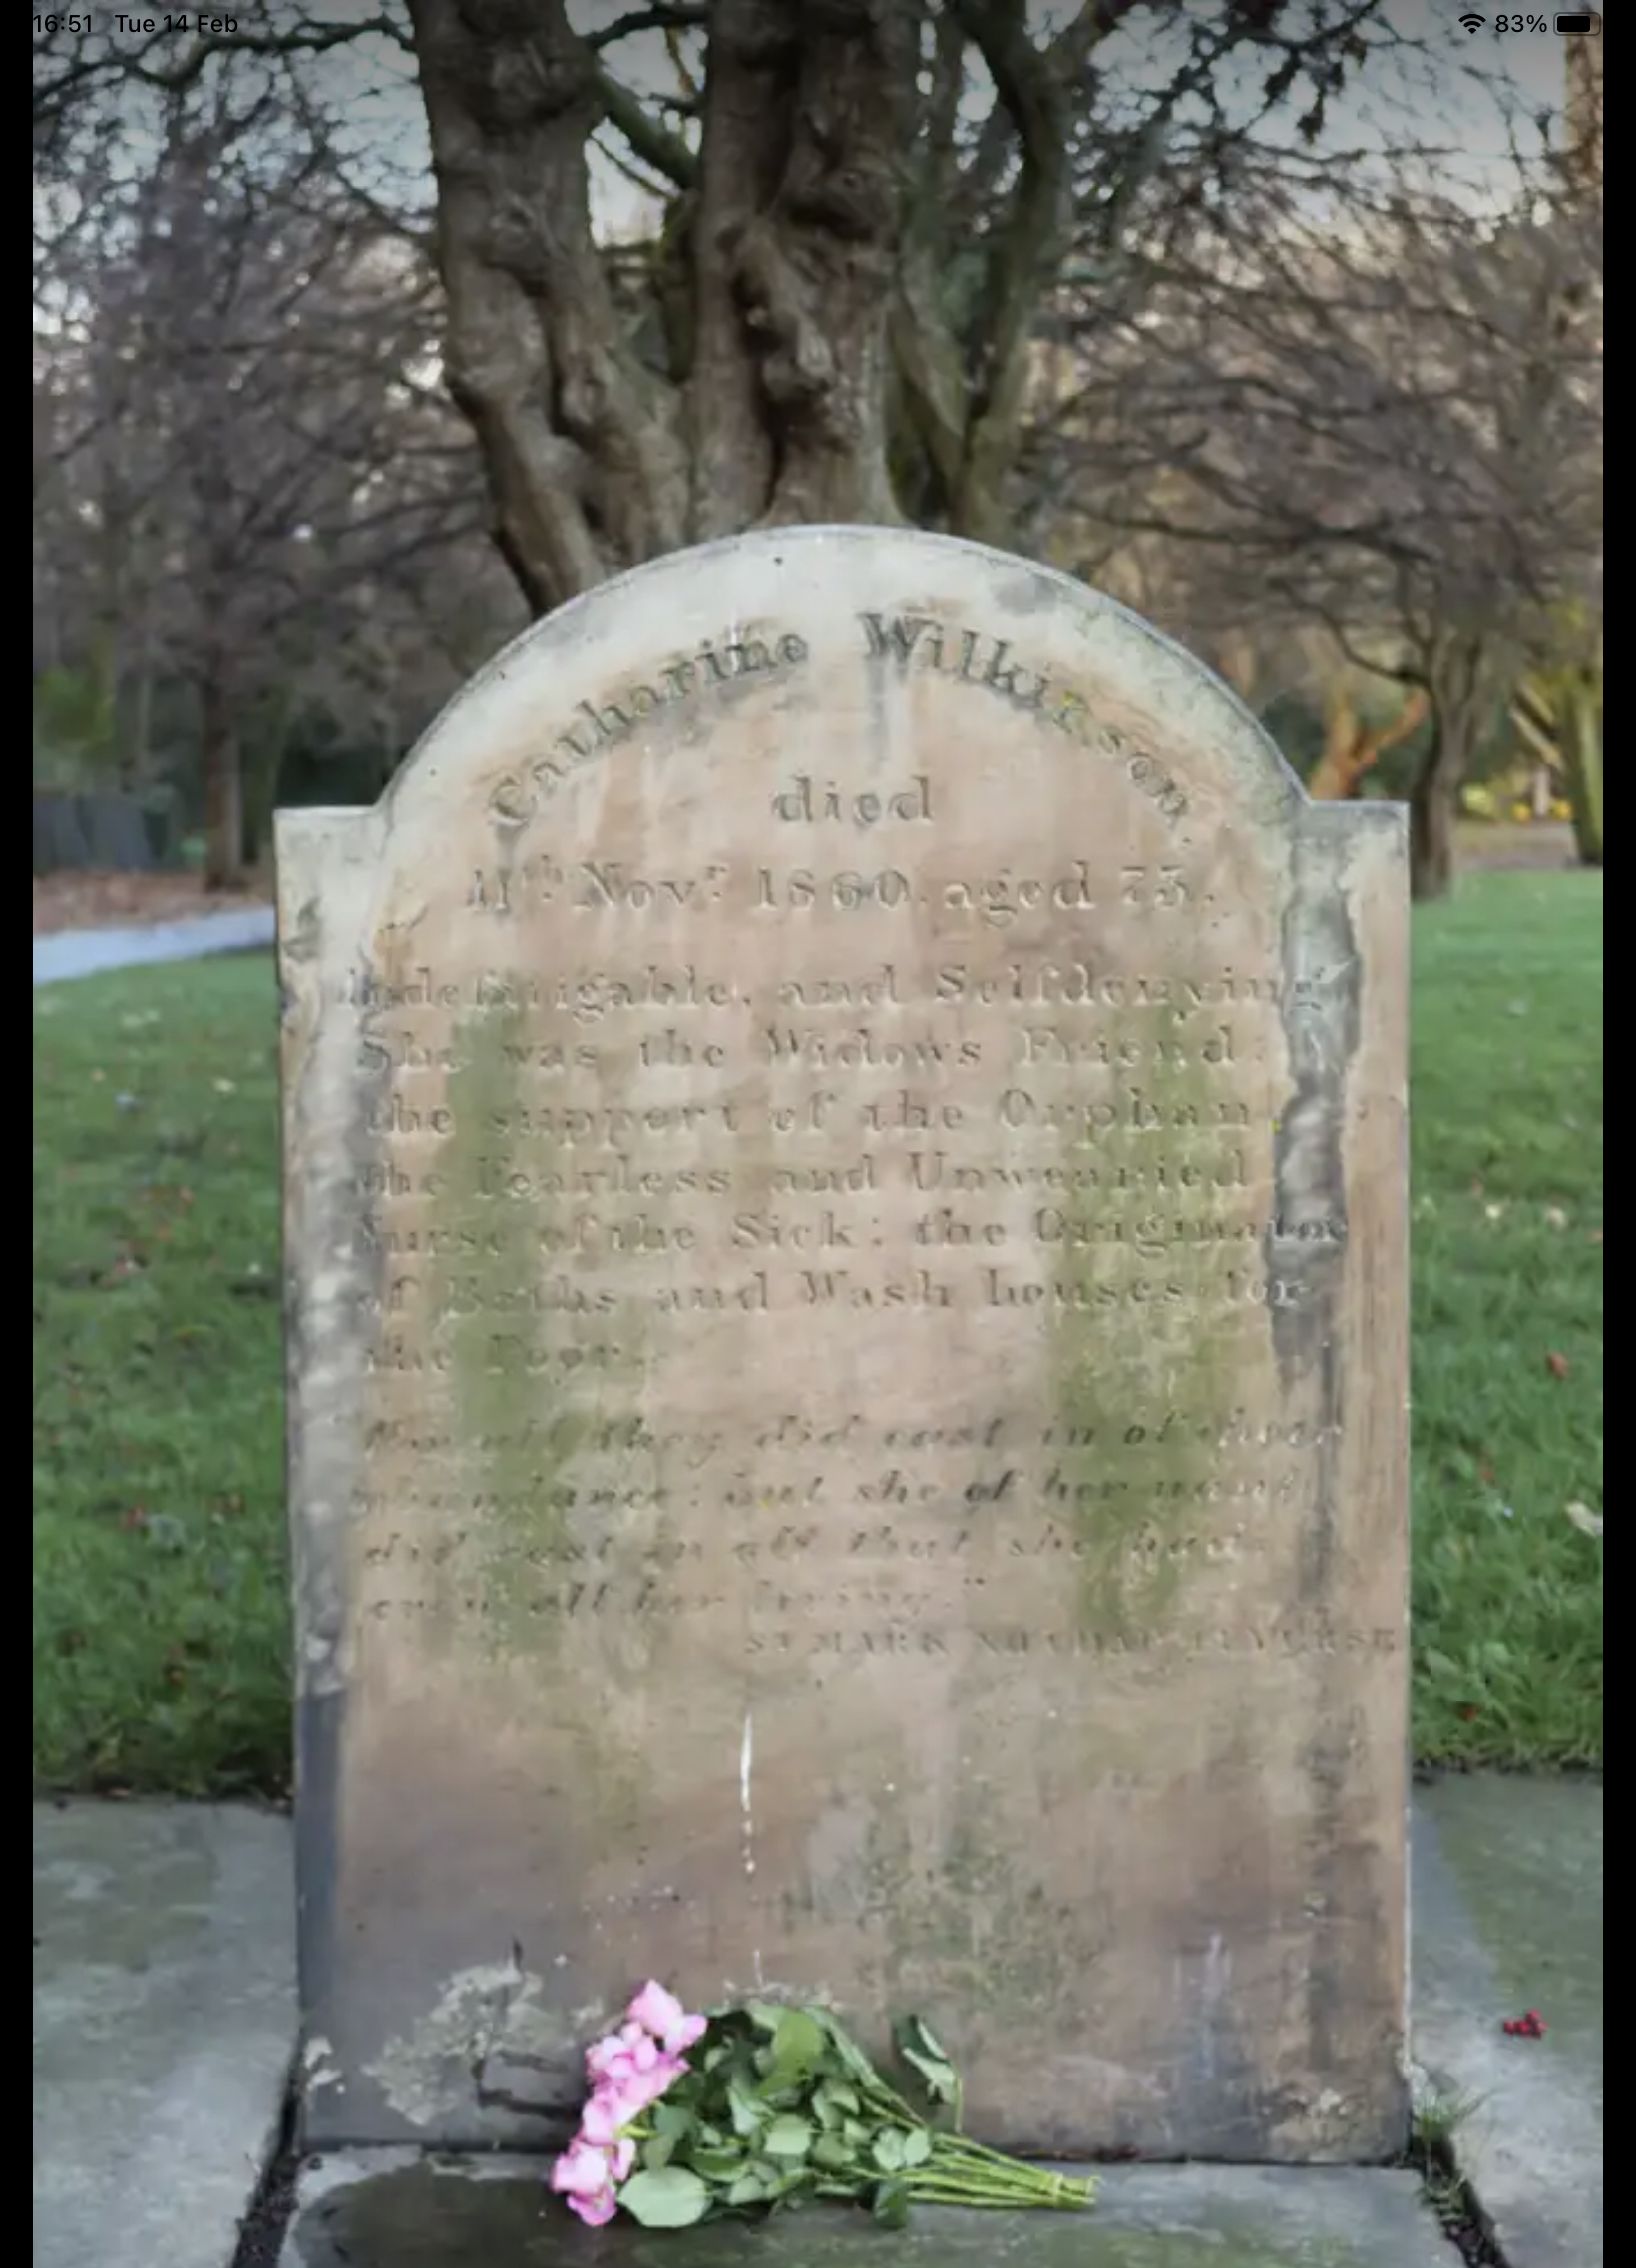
(844, 1165)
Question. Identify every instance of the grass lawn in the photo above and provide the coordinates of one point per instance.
(1506, 1097)
(160, 1613)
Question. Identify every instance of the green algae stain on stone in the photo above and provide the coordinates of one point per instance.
(1135, 1408)
(519, 1431)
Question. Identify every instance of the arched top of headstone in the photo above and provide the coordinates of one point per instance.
(819, 616)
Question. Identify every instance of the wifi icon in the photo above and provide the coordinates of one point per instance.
(1473, 23)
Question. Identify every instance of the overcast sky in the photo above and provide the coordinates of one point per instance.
(1437, 94)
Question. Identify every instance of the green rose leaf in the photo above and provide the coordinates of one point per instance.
(716, 2164)
(657, 2153)
(856, 2061)
(764, 2014)
(849, 2059)
(832, 2154)
(748, 2189)
(798, 2043)
(748, 2115)
(917, 2147)
(787, 2137)
(673, 2120)
(929, 2041)
(891, 2205)
(920, 2050)
(798, 2184)
(669, 2199)
(888, 2153)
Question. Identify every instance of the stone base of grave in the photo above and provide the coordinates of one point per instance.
(396, 2209)
(164, 2018)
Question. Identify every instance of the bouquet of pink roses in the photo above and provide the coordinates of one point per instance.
(761, 2107)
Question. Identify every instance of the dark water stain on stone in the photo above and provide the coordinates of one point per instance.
(426, 2216)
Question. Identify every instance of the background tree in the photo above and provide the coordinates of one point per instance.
(858, 209)
(243, 455)
(1055, 277)
(1381, 413)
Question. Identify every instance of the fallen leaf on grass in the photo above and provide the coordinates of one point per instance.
(1529, 2027)
(1495, 1211)
(1589, 1523)
(1557, 1365)
(1556, 1217)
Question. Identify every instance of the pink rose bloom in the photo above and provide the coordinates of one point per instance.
(638, 2069)
(596, 2209)
(602, 2056)
(581, 2171)
(661, 2014)
(606, 2115)
(639, 2091)
(621, 2056)
(622, 2157)
(640, 2045)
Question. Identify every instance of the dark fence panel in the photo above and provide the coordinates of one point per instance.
(113, 834)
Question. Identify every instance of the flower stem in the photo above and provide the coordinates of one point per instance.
(1058, 2191)
(964, 2172)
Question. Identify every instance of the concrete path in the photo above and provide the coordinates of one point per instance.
(1507, 1918)
(164, 2018)
(163, 2025)
(90, 953)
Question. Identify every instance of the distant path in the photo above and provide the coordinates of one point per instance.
(1536, 848)
(90, 952)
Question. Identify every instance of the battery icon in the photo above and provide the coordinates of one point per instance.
(1572, 24)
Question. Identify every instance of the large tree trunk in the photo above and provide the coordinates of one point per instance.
(1459, 685)
(792, 348)
(224, 780)
(1432, 805)
(1582, 761)
(771, 407)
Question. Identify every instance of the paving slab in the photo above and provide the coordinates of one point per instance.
(92, 953)
(395, 2209)
(1508, 1898)
(163, 2019)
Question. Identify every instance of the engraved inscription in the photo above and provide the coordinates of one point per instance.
(981, 658)
(719, 664)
